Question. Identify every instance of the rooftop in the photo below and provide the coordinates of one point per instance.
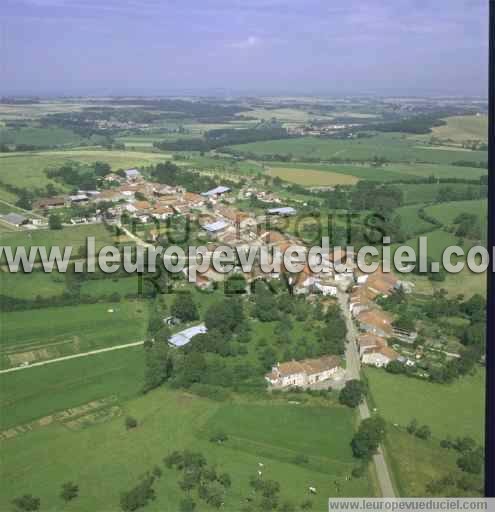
(184, 337)
(215, 191)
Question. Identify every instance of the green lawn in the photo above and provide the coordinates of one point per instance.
(168, 420)
(411, 223)
(455, 409)
(395, 147)
(27, 286)
(36, 136)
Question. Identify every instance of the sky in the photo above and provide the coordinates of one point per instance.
(235, 47)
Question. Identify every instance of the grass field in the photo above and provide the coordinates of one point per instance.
(40, 136)
(394, 147)
(414, 193)
(455, 409)
(172, 421)
(26, 170)
(27, 286)
(463, 128)
(47, 333)
(309, 177)
(411, 223)
(447, 212)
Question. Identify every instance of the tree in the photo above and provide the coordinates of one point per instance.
(27, 502)
(423, 432)
(54, 221)
(139, 496)
(368, 437)
(471, 462)
(69, 491)
(158, 366)
(184, 307)
(187, 504)
(413, 426)
(353, 393)
(225, 480)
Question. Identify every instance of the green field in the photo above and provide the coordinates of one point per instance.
(26, 170)
(414, 193)
(47, 333)
(27, 286)
(40, 136)
(106, 452)
(447, 212)
(455, 409)
(411, 223)
(309, 177)
(394, 147)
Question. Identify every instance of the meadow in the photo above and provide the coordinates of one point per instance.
(463, 128)
(309, 177)
(106, 452)
(26, 170)
(392, 146)
(446, 213)
(37, 136)
(456, 409)
(411, 223)
(47, 333)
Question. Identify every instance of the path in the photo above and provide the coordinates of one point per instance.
(353, 366)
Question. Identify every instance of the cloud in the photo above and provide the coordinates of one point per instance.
(249, 42)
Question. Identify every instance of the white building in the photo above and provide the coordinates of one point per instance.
(184, 337)
(303, 373)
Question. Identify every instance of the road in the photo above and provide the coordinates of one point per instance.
(73, 356)
(353, 366)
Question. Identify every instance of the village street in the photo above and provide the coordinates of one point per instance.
(352, 368)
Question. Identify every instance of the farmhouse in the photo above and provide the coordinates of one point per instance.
(215, 227)
(380, 357)
(283, 211)
(375, 322)
(303, 373)
(48, 203)
(132, 174)
(369, 342)
(184, 337)
(216, 192)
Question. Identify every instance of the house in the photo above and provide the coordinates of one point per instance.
(132, 174)
(303, 373)
(283, 211)
(184, 337)
(216, 192)
(381, 283)
(215, 227)
(48, 203)
(78, 199)
(112, 178)
(162, 212)
(369, 342)
(15, 219)
(380, 357)
(376, 322)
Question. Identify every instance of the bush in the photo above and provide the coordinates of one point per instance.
(359, 471)
(187, 505)
(219, 437)
(69, 491)
(423, 432)
(27, 502)
(300, 459)
(130, 422)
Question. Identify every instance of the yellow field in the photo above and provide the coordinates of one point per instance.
(462, 128)
(310, 177)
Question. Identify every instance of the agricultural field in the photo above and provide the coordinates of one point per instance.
(393, 147)
(27, 286)
(309, 177)
(446, 213)
(415, 193)
(411, 223)
(455, 409)
(104, 449)
(47, 333)
(463, 128)
(37, 136)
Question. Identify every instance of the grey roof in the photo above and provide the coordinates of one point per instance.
(215, 226)
(132, 172)
(184, 337)
(284, 210)
(14, 218)
(217, 190)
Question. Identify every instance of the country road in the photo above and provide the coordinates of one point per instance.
(353, 367)
(73, 356)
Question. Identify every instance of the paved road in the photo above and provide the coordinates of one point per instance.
(74, 356)
(353, 366)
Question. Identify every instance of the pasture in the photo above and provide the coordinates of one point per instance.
(456, 409)
(446, 213)
(37, 136)
(309, 177)
(392, 146)
(411, 223)
(47, 333)
(414, 193)
(173, 420)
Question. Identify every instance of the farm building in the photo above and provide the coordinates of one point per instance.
(217, 191)
(15, 219)
(49, 202)
(132, 174)
(303, 373)
(184, 337)
(283, 211)
(215, 227)
(376, 322)
(380, 357)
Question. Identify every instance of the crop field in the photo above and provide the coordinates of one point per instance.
(48, 333)
(463, 128)
(26, 170)
(309, 177)
(39, 136)
(455, 409)
(27, 286)
(446, 213)
(394, 147)
(415, 193)
(103, 451)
